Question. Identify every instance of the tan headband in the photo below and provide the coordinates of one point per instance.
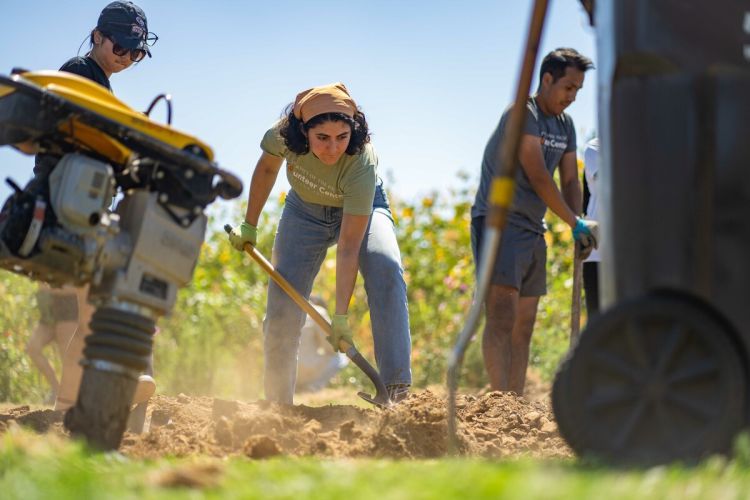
(332, 98)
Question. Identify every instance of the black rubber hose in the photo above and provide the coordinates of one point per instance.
(168, 99)
(120, 337)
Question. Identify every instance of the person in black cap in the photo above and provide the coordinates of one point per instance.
(121, 37)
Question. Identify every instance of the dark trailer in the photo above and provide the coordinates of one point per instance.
(662, 374)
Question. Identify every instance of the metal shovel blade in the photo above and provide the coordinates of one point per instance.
(382, 403)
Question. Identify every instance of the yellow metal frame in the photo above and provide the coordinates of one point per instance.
(5, 90)
(94, 97)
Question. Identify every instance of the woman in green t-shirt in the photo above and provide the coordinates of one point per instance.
(336, 198)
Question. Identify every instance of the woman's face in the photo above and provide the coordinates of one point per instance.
(329, 140)
(106, 58)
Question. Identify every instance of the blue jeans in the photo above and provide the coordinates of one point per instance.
(305, 232)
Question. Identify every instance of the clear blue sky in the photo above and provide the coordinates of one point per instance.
(432, 76)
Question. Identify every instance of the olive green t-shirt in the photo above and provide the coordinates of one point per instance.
(350, 183)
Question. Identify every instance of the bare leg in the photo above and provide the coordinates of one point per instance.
(64, 331)
(500, 310)
(72, 371)
(42, 335)
(520, 342)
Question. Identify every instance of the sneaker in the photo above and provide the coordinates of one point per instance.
(397, 392)
(145, 389)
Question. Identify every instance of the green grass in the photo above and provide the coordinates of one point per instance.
(33, 466)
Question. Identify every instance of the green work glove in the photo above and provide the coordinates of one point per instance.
(244, 233)
(341, 331)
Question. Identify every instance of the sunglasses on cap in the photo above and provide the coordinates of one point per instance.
(148, 36)
(136, 55)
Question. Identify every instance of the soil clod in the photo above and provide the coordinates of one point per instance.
(493, 424)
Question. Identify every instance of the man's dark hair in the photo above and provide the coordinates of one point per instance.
(561, 58)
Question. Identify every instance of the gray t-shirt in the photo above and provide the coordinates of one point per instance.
(557, 136)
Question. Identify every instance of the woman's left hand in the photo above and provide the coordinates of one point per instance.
(242, 234)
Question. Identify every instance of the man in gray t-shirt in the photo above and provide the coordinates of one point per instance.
(548, 141)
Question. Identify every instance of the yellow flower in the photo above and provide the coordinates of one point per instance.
(566, 236)
(427, 202)
(282, 197)
(548, 238)
(439, 254)
(451, 235)
(224, 255)
(200, 274)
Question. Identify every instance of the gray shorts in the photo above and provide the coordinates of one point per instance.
(521, 260)
(56, 307)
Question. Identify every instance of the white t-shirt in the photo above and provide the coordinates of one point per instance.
(591, 170)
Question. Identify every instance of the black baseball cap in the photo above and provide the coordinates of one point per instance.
(126, 23)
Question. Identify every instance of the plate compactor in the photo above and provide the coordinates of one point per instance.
(662, 374)
(93, 150)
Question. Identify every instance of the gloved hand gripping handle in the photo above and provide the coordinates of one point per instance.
(381, 393)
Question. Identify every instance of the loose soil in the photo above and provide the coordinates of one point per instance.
(490, 424)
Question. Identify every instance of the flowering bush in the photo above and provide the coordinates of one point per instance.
(212, 341)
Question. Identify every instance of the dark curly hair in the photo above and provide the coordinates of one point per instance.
(293, 130)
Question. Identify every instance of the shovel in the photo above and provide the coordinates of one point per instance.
(575, 306)
(381, 398)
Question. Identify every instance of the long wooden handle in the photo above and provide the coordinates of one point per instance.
(298, 299)
(289, 289)
(381, 397)
(575, 306)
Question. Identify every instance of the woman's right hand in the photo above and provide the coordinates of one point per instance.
(244, 233)
(340, 330)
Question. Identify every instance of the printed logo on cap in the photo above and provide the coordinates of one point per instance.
(139, 28)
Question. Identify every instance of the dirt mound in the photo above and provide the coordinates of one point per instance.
(38, 420)
(494, 424)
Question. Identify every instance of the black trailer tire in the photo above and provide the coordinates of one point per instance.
(653, 380)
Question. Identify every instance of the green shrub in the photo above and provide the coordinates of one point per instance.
(212, 341)
(19, 380)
